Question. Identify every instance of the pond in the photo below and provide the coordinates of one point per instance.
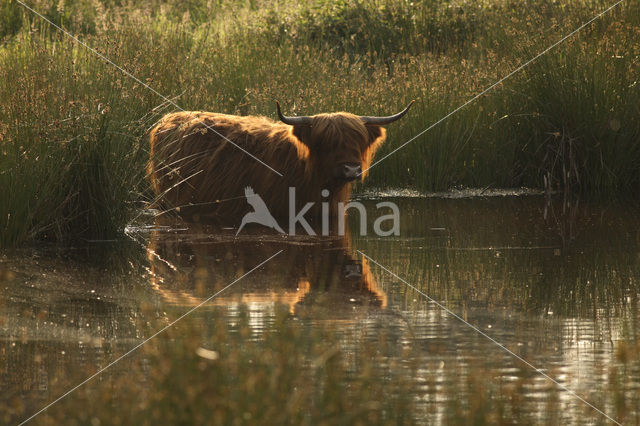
(512, 308)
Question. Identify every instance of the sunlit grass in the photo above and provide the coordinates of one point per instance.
(289, 371)
(72, 127)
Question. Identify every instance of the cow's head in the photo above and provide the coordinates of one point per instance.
(341, 145)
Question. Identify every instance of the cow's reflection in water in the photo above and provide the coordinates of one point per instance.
(314, 276)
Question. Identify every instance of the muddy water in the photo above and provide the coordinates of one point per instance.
(471, 284)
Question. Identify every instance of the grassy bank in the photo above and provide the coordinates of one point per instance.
(72, 126)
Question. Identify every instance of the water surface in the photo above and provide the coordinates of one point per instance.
(555, 283)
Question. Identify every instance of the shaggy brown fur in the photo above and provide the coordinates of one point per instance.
(196, 172)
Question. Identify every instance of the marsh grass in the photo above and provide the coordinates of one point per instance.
(72, 127)
(288, 371)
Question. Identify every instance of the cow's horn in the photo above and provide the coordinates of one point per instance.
(292, 120)
(386, 120)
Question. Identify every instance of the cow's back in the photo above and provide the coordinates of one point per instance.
(200, 162)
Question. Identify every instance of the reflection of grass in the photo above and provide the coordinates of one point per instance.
(523, 254)
(291, 372)
(70, 127)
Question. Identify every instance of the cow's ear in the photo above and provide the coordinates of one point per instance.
(377, 134)
(303, 133)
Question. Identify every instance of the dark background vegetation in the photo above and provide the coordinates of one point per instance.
(72, 126)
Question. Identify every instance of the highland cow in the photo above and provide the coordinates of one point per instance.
(201, 162)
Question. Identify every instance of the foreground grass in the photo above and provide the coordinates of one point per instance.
(287, 373)
(295, 372)
(72, 126)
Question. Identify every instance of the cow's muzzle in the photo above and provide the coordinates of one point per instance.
(348, 171)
